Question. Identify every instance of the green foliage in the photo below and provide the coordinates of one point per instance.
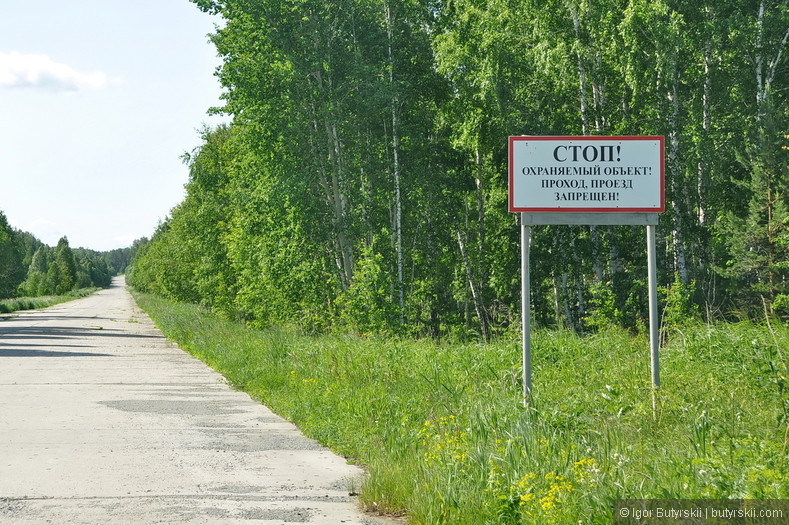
(781, 305)
(445, 438)
(60, 270)
(175, 278)
(384, 123)
(30, 268)
(42, 301)
(12, 269)
(63, 268)
(604, 312)
(118, 260)
(368, 305)
(680, 307)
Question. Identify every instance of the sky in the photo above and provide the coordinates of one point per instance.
(99, 99)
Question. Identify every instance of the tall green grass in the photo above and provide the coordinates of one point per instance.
(445, 438)
(45, 301)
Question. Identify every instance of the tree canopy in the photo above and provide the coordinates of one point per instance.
(28, 267)
(362, 181)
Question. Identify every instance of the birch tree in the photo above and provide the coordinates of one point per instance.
(365, 162)
(12, 270)
(760, 33)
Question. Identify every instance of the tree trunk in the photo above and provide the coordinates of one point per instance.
(557, 312)
(398, 211)
(706, 120)
(581, 72)
(482, 238)
(677, 234)
(475, 295)
(568, 312)
(331, 180)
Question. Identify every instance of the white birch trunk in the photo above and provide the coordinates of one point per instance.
(475, 295)
(677, 235)
(398, 211)
(331, 180)
(706, 120)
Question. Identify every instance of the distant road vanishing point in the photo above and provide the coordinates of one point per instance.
(102, 420)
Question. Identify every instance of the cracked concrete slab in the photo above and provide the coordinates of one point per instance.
(102, 420)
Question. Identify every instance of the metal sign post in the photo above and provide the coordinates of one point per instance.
(654, 336)
(526, 309)
(587, 181)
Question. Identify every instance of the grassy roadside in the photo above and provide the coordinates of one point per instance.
(445, 439)
(35, 303)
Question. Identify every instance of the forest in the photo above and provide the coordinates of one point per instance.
(361, 184)
(30, 268)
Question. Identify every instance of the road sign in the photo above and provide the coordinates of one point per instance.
(586, 174)
(587, 181)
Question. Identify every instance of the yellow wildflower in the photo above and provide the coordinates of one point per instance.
(559, 487)
(585, 470)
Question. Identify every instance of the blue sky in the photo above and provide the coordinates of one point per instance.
(98, 101)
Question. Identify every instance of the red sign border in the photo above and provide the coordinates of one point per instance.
(659, 138)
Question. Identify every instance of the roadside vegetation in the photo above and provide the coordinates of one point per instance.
(35, 275)
(358, 194)
(442, 431)
(45, 301)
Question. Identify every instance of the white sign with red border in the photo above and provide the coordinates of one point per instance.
(586, 174)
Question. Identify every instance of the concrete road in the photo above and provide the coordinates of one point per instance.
(102, 420)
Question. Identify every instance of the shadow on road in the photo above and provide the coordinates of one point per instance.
(19, 352)
(59, 332)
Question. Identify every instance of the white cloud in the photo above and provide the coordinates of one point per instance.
(18, 70)
(45, 230)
